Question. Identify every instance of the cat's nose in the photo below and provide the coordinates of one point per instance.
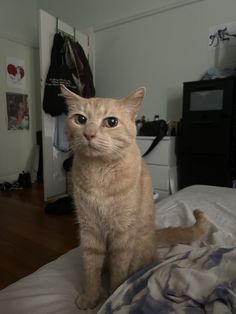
(90, 132)
(89, 136)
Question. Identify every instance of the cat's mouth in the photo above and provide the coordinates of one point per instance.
(92, 146)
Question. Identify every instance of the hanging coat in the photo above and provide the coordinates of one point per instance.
(80, 68)
(58, 73)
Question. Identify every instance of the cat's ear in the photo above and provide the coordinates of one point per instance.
(70, 97)
(133, 102)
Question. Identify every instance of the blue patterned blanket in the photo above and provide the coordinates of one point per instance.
(200, 280)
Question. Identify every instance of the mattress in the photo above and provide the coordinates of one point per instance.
(55, 287)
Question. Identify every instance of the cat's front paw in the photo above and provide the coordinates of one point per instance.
(85, 302)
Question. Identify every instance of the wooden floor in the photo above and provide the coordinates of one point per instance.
(29, 238)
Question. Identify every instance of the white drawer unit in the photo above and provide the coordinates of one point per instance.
(162, 164)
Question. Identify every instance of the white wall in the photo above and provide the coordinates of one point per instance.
(16, 145)
(19, 21)
(18, 38)
(83, 14)
(160, 51)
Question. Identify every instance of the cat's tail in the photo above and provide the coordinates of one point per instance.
(185, 235)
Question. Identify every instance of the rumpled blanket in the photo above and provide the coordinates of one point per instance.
(198, 280)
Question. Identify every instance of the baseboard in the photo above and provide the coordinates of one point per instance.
(10, 178)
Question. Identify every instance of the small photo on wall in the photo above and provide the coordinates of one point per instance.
(17, 111)
(16, 77)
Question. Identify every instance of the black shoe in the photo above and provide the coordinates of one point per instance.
(24, 180)
(27, 180)
(5, 186)
(15, 186)
(61, 206)
(20, 180)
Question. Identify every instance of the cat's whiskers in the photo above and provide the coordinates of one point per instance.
(106, 146)
(117, 151)
(75, 144)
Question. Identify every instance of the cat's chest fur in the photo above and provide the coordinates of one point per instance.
(109, 178)
(104, 191)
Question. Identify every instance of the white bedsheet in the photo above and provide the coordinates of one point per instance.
(218, 203)
(55, 287)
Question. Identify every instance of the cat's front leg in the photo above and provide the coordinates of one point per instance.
(93, 260)
(121, 254)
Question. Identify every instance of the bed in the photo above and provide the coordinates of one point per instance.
(197, 278)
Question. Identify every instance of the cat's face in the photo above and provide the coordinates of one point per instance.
(102, 127)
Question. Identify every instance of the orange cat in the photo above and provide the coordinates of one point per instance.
(113, 192)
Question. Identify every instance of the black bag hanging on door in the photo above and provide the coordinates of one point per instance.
(80, 68)
(58, 73)
(157, 128)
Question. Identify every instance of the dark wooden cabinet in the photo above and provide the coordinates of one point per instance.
(206, 141)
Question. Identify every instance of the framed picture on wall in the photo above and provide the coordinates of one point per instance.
(16, 76)
(17, 111)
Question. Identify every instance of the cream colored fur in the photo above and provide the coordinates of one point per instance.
(113, 193)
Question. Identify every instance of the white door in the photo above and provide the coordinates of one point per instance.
(54, 176)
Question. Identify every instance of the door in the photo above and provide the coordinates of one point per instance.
(54, 176)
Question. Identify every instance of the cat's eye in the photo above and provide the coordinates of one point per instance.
(110, 122)
(80, 119)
